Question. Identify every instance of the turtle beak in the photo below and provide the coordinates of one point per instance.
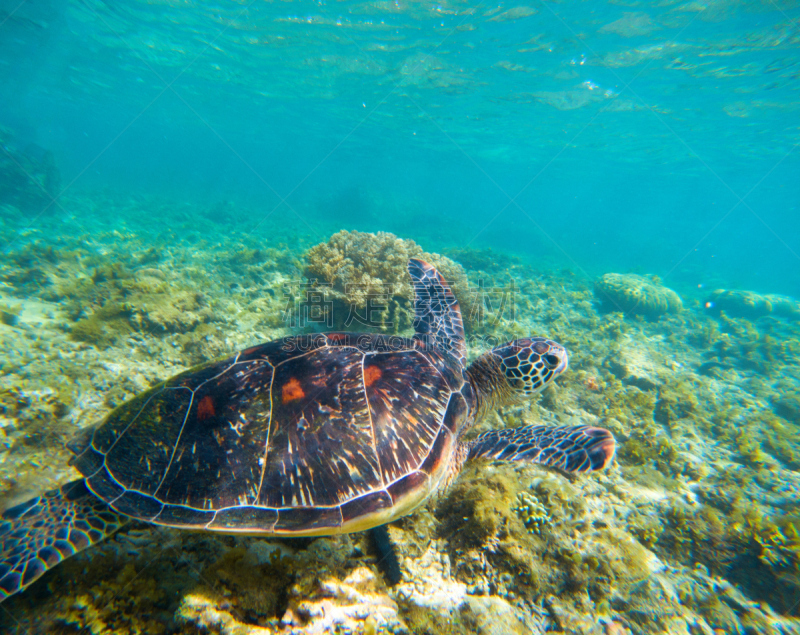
(560, 352)
(564, 362)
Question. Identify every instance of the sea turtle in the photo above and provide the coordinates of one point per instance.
(306, 436)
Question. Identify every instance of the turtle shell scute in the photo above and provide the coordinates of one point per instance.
(301, 436)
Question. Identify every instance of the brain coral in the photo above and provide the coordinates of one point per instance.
(636, 294)
(358, 268)
(752, 305)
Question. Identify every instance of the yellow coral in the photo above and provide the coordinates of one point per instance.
(354, 269)
(637, 294)
(531, 511)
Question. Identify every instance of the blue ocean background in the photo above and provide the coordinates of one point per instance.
(174, 175)
(596, 136)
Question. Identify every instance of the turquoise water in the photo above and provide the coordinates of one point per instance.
(173, 175)
(599, 135)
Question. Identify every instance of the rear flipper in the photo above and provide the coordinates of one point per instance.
(38, 534)
(567, 448)
(387, 554)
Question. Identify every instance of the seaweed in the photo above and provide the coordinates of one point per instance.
(706, 335)
(647, 528)
(104, 327)
(38, 415)
(478, 510)
(9, 315)
(421, 620)
(676, 400)
(782, 441)
(256, 591)
(787, 405)
(650, 446)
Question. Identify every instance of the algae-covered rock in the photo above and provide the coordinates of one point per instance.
(115, 302)
(748, 304)
(632, 293)
(633, 365)
(29, 178)
(105, 326)
(9, 314)
(788, 406)
(364, 280)
(175, 312)
(312, 591)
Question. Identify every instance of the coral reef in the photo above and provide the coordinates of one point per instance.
(363, 280)
(633, 365)
(749, 304)
(485, 260)
(694, 530)
(532, 513)
(123, 301)
(636, 294)
(29, 178)
(321, 589)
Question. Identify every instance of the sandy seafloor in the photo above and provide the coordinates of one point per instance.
(694, 529)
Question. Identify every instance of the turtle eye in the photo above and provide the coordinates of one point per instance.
(551, 360)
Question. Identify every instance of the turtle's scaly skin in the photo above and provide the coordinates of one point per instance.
(43, 531)
(567, 448)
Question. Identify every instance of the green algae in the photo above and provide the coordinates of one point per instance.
(647, 528)
(38, 415)
(9, 314)
(571, 559)
(787, 405)
(677, 399)
(782, 441)
(648, 445)
(705, 334)
(613, 327)
(749, 346)
(698, 536)
(485, 509)
(257, 591)
(123, 596)
(12, 401)
(422, 620)
(104, 327)
(654, 428)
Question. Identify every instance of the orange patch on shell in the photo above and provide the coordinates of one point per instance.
(371, 375)
(292, 390)
(205, 408)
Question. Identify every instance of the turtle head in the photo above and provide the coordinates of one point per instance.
(531, 364)
(516, 370)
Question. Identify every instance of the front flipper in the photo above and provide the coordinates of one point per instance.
(38, 534)
(567, 448)
(437, 316)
